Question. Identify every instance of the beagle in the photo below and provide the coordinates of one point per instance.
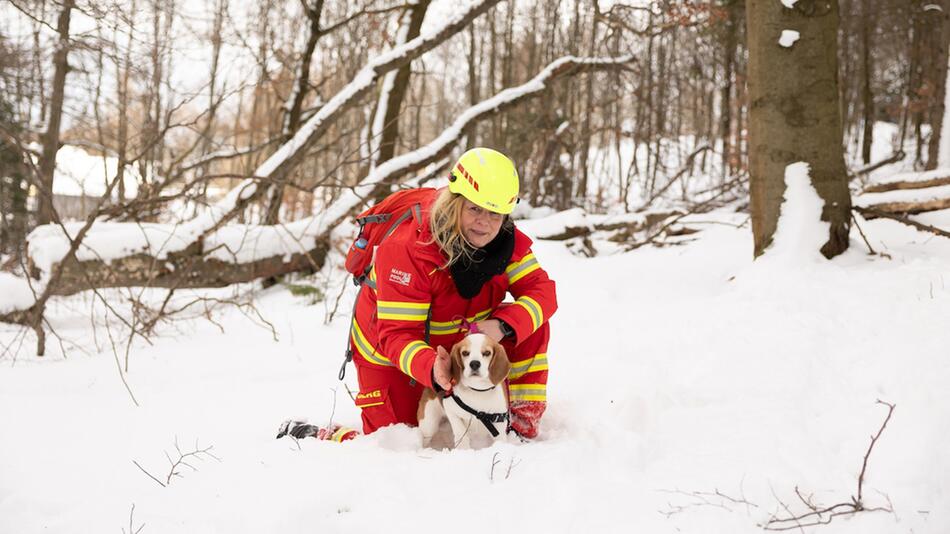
(477, 406)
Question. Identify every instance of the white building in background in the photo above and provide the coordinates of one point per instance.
(81, 179)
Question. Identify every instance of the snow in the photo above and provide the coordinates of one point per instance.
(80, 173)
(788, 38)
(176, 238)
(800, 233)
(917, 176)
(17, 294)
(905, 195)
(789, 3)
(237, 243)
(673, 371)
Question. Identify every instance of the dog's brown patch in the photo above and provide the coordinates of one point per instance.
(428, 395)
(456, 358)
(500, 366)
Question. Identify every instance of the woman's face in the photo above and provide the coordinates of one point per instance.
(479, 226)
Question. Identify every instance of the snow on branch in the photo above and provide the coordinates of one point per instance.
(160, 241)
(449, 138)
(288, 156)
(140, 254)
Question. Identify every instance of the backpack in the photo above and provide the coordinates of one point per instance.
(375, 227)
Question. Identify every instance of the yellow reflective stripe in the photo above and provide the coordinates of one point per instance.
(408, 354)
(538, 363)
(406, 305)
(517, 271)
(534, 310)
(371, 281)
(402, 311)
(514, 265)
(366, 350)
(442, 328)
(338, 435)
(528, 392)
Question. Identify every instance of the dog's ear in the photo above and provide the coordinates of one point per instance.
(456, 357)
(500, 366)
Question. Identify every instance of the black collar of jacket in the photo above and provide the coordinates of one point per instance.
(486, 418)
(471, 273)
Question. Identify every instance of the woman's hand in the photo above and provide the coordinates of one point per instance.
(442, 369)
(491, 328)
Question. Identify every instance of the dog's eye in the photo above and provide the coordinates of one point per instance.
(486, 353)
(464, 353)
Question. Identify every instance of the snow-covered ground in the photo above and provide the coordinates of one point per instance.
(691, 390)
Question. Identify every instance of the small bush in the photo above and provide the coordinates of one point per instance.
(312, 293)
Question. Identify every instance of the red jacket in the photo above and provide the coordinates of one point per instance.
(408, 282)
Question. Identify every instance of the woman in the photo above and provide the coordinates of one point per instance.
(434, 278)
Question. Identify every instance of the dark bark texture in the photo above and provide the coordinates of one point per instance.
(794, 115)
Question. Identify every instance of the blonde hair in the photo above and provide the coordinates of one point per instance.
(445, 223)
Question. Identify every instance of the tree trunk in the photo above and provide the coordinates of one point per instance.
(387, 144)
(940, 39)
(581, 193)
(725, 104)
(867, 98)
(794, 115)
(47, 163)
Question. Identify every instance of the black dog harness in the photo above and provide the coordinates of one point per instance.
(486, 418)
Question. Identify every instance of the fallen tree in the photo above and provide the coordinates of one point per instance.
(193, 254)
(899, 185)
(908, 197)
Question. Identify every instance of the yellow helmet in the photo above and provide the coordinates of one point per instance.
(487, 178)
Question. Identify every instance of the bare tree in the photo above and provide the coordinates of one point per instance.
(47, 164)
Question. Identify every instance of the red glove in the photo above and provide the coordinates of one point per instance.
(526, 417)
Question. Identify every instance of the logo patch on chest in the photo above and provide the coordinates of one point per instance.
(400, 277)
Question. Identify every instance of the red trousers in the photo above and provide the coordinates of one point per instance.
(387, 396)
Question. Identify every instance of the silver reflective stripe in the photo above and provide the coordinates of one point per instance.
(531, 263)
(366, 351)
(409, 312)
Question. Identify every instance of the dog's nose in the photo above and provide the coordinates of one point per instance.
(475, 365)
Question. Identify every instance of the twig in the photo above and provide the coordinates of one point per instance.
(894, 158)
(157, 481)
(822, 516)
(494, 461)
(715, 499)
(874, 438)
(864, 237)
(196, 453)
(511, 465)
(133, 530)
(332, 409)
(903, 219)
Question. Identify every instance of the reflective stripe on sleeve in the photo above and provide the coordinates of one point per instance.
(371, 280)
(402, 311)
(534, 310)
(366, 350)
(528, 392)
(518, 270)
(408, 354)
(538, 363)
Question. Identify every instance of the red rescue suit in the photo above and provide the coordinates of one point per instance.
(409, 286)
